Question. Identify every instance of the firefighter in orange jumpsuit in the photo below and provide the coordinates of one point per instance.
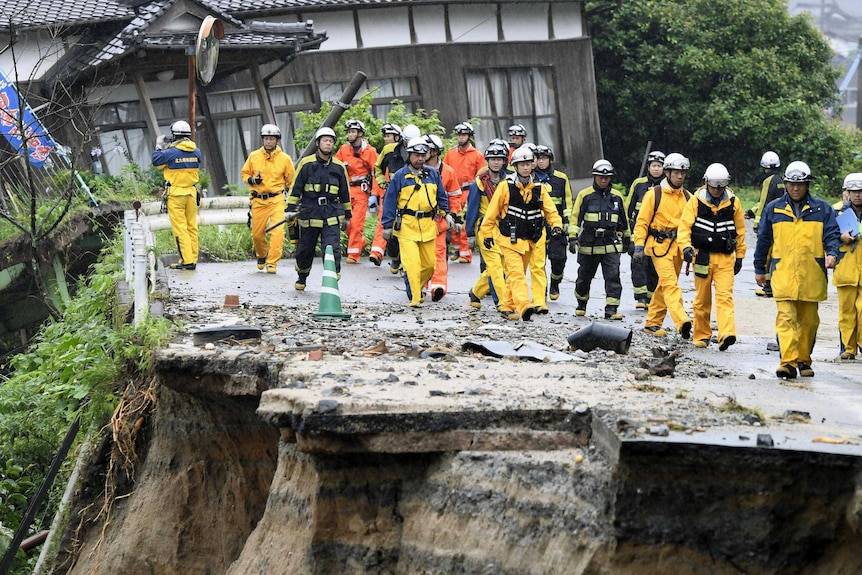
(359, 157)
(439, 284)
(466, 160)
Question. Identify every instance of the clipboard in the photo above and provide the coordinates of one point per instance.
(848, 223)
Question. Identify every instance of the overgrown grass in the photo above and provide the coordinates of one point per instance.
(233, 243)
(74, 369)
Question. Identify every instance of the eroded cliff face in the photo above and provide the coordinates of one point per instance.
(196, 497)
(227, 485)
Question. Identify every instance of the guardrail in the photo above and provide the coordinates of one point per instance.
(139, 240)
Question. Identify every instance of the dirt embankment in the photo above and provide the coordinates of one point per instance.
(219, 490)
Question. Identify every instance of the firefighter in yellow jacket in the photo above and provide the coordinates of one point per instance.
(415, 198)
(803, 236)
(515, 222)
(848, 273)
(655, 236)
(181, 161)
(712, 235)
(269, 173)
(491, 277)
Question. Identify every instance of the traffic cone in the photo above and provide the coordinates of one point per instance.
(330, 300)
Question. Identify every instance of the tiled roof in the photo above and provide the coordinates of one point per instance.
(40, 13)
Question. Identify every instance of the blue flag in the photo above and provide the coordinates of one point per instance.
(38, 141)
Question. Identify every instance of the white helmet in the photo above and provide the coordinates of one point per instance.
(270, 130)
(603, 168)
(411, 131)
(797, 172)
(464, 128)
(353, 124)
(769, 160)
(522, 154)
(716, 176)
(417, 145)
(181, 128)
(656, 156)
(324, 131)
(853, 182)
(434, 141)
(676, 161)
(388, 128)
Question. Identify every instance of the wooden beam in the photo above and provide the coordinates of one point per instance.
(149, 112)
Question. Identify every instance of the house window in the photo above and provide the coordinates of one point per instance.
(500, 97)
(385, 90)
(237, 118)
(122, 130)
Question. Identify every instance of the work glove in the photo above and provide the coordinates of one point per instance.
(255, 180)
(161, 142)
(387, 234)
(749, 214)
(372, 203)
(290, 214)
(471, 242)
(737, 266)
(556, 231)
(574, 244)
(566, 228)
(450, 221)
(344, 223)
(688, 254)
(459, 223)
(639, 254)
(488, 243)
(627, 244)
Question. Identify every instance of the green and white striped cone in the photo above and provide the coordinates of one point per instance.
(330, 300)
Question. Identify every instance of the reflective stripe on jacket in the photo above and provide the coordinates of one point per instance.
(418, 199)
(498, 209)
(320, 191)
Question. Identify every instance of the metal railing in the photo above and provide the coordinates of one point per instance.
(139, 240)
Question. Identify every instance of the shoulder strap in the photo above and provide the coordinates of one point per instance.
(657, 191)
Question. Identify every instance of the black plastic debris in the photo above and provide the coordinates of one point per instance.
(526, 349)
(225, 332)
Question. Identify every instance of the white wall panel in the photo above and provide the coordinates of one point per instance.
(339, 28)
(525, 22)
(35, 53)
(430, 24)
(566, 20)
(473, 23)
(384, 27)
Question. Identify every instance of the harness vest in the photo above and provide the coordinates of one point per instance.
(714, 231)
(523, 220)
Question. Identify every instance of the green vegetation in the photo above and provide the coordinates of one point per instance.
(361, 110)
(720, 81)
(76, 368)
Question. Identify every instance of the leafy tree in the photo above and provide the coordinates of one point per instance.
(720, 81)
(361, 110)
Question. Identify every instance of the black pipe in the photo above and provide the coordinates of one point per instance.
(39, 498)
(337, 110)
